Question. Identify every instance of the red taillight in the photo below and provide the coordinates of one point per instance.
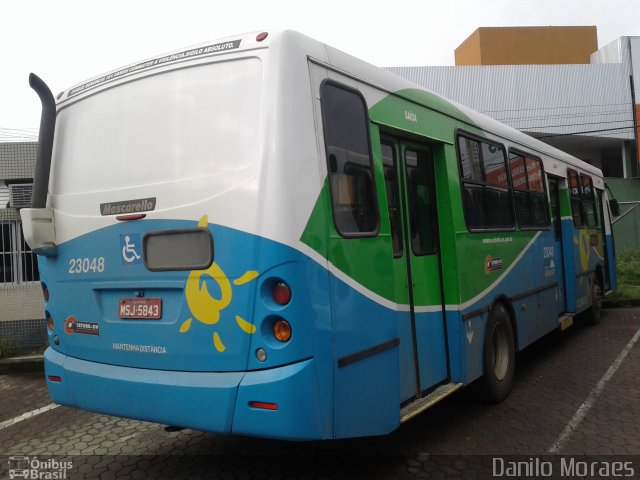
(134, 216)
(281, 293)
(49, 320)
(262, 36)
(55, 378)
(264, 405)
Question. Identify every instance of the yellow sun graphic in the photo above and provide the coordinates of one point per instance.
(204, 307)
(583, 241)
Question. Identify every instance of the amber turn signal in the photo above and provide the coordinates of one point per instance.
(282, 330)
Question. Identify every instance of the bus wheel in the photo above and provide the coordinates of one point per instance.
(594, 313)
(499, 355)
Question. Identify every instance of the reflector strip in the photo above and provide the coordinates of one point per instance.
(264, 405)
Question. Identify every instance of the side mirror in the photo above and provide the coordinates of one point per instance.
(615, 207)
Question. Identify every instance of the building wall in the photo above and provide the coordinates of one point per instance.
(547, 100)
(625, 51)
(21, 311)
(21, 302)
(528, 46)
(17, 160)
(626, 229)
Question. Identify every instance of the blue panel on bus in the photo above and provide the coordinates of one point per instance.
(107, 349)
(204, 401)
(282, 403)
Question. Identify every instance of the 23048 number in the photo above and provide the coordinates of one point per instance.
(86, 265)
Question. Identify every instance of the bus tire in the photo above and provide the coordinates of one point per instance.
(498, 357)
(593, 315)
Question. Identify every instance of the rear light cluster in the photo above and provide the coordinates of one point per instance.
(50, 327)
(281, 293)
(282, 296)
(277, 331)
(47, 314)
(282, 330)
(277, 294)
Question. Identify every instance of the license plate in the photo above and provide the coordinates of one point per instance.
(144, 308)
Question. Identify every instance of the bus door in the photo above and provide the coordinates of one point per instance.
(410, 188)
(558, 257)
(603, 239)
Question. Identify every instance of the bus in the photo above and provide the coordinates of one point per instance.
(265, 236)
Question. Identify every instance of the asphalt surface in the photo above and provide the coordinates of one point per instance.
(575, 404)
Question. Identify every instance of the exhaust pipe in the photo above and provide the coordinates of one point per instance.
(45, 142)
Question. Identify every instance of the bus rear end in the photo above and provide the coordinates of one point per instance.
(164, 302)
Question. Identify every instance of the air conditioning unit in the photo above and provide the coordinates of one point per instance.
(20, 195)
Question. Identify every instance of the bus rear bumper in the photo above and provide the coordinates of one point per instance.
(199, 400)
(280, 402)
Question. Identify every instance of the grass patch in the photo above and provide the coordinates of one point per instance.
(628, 266)
(8, 348)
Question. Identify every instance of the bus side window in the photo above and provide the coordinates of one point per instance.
(422, 210)
(393, 197)
(589, 201)
(529, 194)
(577, 208)
(349, 161)
(486, 192)
(556, 217)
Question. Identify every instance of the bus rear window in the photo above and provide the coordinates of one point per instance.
(190, 249)
(178, 125)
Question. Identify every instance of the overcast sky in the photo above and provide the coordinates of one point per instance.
(67, 41)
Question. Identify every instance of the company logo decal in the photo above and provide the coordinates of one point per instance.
(206, 308)
(73, 325)
(128, 206)
(492, 264)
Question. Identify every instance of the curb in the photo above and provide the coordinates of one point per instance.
(31, 363)
(620, 303)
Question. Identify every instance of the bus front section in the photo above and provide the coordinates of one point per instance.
(163, 300)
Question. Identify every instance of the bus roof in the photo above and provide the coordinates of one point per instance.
(236, 43)
(334, 58)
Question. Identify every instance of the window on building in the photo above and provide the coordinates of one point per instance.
(17, 263)
(485, 185)
(529, 195)
(346, 132)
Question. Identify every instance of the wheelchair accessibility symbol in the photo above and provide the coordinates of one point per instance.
(131, 248)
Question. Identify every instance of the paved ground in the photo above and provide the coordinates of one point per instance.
(576, 394)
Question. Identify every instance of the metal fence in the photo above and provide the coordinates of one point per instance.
(18, 265)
